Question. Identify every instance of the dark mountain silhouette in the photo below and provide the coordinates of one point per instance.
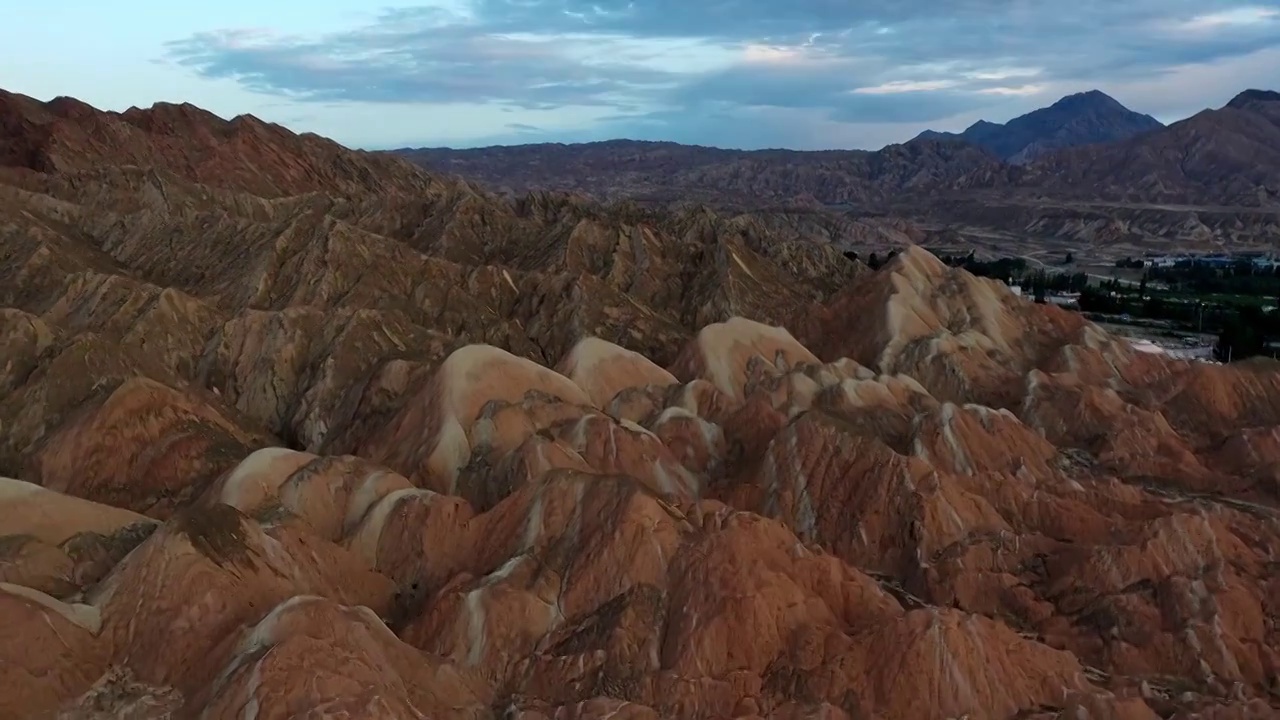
(1081, 119)
(1250, 98)
(743, 179)
(1084, 148)
(1229, 156)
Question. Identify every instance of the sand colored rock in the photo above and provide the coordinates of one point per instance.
(628, 449)
(145, 447)
(603, 370)
(735, 353)
(430, 438)
(222, 571)
(60, 544)
(332, 495)
(53, 517)
(50, 651)
(965, 338)
(351, 663)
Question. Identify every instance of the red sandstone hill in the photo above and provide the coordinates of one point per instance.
(304, 432)
(245, 153)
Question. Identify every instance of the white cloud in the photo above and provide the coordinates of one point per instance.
(1014, 91)
(895, 87)
(1184, 90)
(998, 74)
(857, 71)
(1235, 17)
(783, 55)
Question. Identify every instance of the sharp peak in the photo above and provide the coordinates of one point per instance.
(917, 258)
(1088, 93)
(171, 104)
(979, 125)
(1087, 96)
(14, 102)
(165, 107)
(187, 114)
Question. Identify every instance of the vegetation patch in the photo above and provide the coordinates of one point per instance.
(217, 532)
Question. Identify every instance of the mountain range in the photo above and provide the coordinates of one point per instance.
(1228, 156)
(1085, 147)
(1081, 119)
(1208, 182)
(290, 430)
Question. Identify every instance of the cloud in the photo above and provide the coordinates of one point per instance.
(1182, 91)
(412, 65)
(1239, 17)
(897, 87)
(666, 65)
(1013, 91)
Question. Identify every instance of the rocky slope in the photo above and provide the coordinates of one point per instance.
(295, 431)
(1086, 147)
(664, 172)
(1085, 170)
(1228, 156)
(1081, 119)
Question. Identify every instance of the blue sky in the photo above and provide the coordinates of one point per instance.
(734, 73)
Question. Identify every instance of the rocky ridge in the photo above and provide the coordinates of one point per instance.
(1085, 172)
(1083, 118)
(312, 432)
(1084, 148)
(1226, 156)
(665, 172)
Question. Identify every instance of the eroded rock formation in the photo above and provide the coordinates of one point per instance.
(322, 435)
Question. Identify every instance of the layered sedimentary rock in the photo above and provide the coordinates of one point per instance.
(325, 435)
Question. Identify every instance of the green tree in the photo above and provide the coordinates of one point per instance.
(1242, 335)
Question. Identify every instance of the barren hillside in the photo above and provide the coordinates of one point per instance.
(295, 431)
(1085, 172)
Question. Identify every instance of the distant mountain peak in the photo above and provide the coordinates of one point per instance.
(1085, 95)
(983, 125)
(1089, 99)
(1248, 97)
(1083, 118)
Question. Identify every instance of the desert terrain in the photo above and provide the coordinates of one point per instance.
(289, 430)
(1086, 176)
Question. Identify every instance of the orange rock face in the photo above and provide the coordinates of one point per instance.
(292, 431)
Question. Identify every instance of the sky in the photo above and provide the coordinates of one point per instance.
(805, 74)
